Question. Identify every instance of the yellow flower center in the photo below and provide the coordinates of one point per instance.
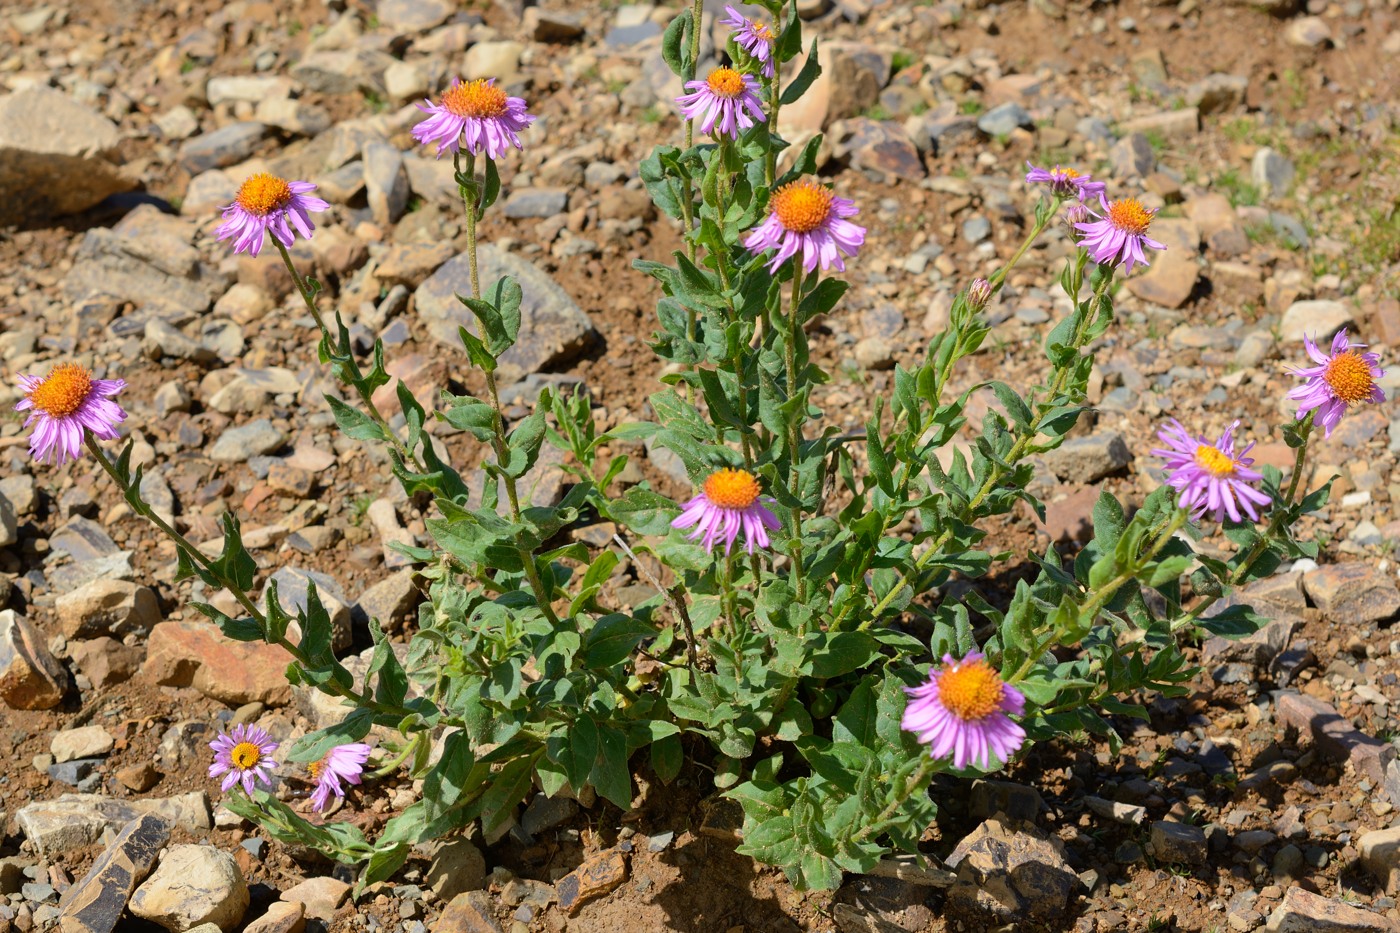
(1215, 462)
(732, 489)
(802, 206)
(475, 99)
(1349, 378)
(1129, 216)
(263, 193)
(245, 755)
(316, 767)
(726, 82)
(971, 690)
(63, 391)
(761, 31)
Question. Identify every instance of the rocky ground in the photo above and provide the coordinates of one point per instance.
(1266, 133)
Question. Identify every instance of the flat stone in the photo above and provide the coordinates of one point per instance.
(1171, 274)
(1335, 736)
(1380, 853)
(193, 885)
(878, 147)
(455, 867)
(1178, 843)
(1271, 172)
(1318, 319)
(297, 117)
(1308, 32)
(1218, 93)
(56, 157)
(1353, 593)
(73, 821)
(321, 896)
(1132, 157)
(553, 328)
(410, 16)
(1304, 912)
(1018, 801)
(553, 25)
(408, 264)
(1003, 119)
(495, 59)
(96, 902)
(1171, 124)
(185, 653)
(343, 71)
(599, 874)
(281, 917)
(83, 742)
(1008, 872)
(107, 607)
(390, 600)
(106, 662)
(30, 677)
(527, 203)
(223, 147)
(250, 88)
(386, 182)
(1086, 459)
(236, 445)
(471, 912)
(544, 813)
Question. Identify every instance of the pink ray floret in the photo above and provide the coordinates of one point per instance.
(1211, 477)
(476, 116)
(342, 763)
(805, 217)
(266, 204)
(1341, 378)
(965, 710)
(242, 756)
(63, 406)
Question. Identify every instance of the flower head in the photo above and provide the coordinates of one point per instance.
(1074, 215)
(342, 763)
(754, 38)
(243, 755)
(806, 216)
(1066, 182)
(1119, 236)
(1342, 378)
(66, 403)
(476, 114)
(265, 204)
(1212, 479)
(978, 294)
(962, 711)
(728, 503)
(725, 103)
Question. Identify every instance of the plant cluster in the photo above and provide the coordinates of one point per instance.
(802, 592)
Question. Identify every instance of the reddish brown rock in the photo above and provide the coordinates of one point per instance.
(598, 875)
(1072, 518)
(1304, 912)
(185, 654)
(1352, 594)
(1385, 321)
(1171, 277)
(30, 677)
(105, 661)
(1334, 735)
(468, 913)
(1008, 871)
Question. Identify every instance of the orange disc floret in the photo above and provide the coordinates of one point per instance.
(475, 99)
(802, 206)
(1214, 461)
(263, 193)
(1349, 378)
(761, 31)
(726, 82)
(63, 391)
(971, 690)
(732, 489)
(245, 755)
(1129, 216)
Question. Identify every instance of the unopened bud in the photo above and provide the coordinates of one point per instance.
(978, 294)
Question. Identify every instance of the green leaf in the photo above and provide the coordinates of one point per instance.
(471, 415)
(644, 511)
(611, 776)
(842, 653)
(673, 45)
(667, 756)
(476, 351)
(235, 564)
(612, 639)
(577, 751)
(525, 441)
(492, 189)
(354, 422)
(314, 745)
(811, 70)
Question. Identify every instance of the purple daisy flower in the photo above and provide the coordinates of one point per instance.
(725, 103)
(728, 503)
(754, 38)
(477, 114)
(962, 711)
(243, 755)
(66, 403)
(806, 216)
(1066, 182)
(1342, 378)
(1119, 236)
(342, 763)
(1211, 478)
(265, 204)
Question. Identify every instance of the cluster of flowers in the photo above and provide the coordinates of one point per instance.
(964, 708)
(244, 757)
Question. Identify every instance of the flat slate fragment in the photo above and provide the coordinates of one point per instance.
(598, 875)
(96, 903)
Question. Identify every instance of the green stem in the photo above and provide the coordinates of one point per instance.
(471, 203)
(795, 426)
(775, 102)
(926, 769)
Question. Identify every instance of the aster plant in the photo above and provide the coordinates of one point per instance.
(802, 650)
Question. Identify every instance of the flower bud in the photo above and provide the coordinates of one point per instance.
(978, 294)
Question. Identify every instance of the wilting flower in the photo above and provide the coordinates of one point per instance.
(66, 403)
(727, 504)
(342, 763)
(806, 216)
(1340, 379)
(476, 114)
(979, 293)
(243, 754)
(1066, 182)
(1119, 236)
(754, 38)
(265, 204)
(1211, 478)
(962, 711)
(724, 103)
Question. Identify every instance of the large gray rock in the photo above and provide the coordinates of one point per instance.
(97, 902)
(76, 820)
(1008, 872)
(194, 885)
(386, 182)
(146, 259)
(1086, 459)
(54, 156)
(553, 328)
(225, 146)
